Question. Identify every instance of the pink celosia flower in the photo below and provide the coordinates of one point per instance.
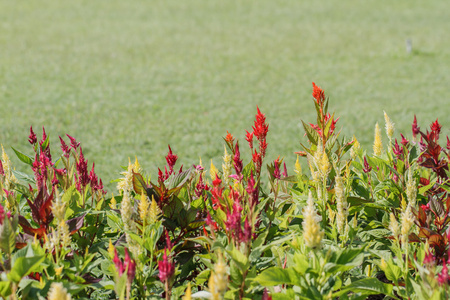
(276, 170)
(237, 162)
(443, 277)
(73, 142)
(415, 128)
(128, 265)
(367, 167)
(32, 139)
(83, 176)
(404, 140)
(166, 268)
(252, 190)
(65, 149)
(285, 173)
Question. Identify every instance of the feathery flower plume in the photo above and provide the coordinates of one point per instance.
(390, 126)
(171, 160)
(58, 292)
(218, 281)
(341, 205)
(144, 208)
(311, 228)
(213, 171)
(355, 148)
(226, 166)
(126, 183)
(393, 226)
(154, 211)
(32, 139)
(237, 162)
(318, 94)
(377, 145)
(367, 168)
(415, 128)
(166, 267)
(407, 221)
(298, 167)
(411, 188)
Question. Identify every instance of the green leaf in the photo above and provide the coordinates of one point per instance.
(23, 266)
(23, 157)
(8, 234)
(366, 286)
(71, 197)
(239, 258)
(312, 135)
(5, 289)
(23, 177)
(275, 276)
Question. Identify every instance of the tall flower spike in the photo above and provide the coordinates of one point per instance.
(355, 148)
(377, 145)
(213, 171)
(415, 128)
(166, 268)
(298, 167)
(311, 228)
(390, 126)
(318, 94)
(32, 139)
(144, 208)
(407, 221)
(226, 166)
(341, 205)
(393, 226)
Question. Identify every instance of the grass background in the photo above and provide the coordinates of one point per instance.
(127, 78)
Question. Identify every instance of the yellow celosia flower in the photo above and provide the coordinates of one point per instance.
(226, 166)
(58, 292)
(378, 144)
(298, 167)
(407, 221)
(58, 271)
(393, 226)
(312, 234)
(325, 166)
(341, 205)
(390, 127)
(113, 203)
(144, 208)
(411, 188)
(126, 183)
(111, 249)
(213, 172)
(355, 148)
(58, 207)
(154, 211)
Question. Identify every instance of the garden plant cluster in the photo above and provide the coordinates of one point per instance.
(358, 224)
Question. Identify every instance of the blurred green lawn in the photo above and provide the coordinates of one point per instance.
(128, 78)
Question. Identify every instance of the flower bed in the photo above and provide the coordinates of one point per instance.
(359, 224)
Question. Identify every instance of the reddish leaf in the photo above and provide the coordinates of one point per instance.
(75, 224)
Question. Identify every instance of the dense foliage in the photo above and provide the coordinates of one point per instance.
(356, 225)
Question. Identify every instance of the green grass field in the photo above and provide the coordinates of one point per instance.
(127, 78)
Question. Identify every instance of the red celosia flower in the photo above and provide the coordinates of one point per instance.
(237, 162)
(415, 128)
(83, 176)
(428, 259)
(73, 142)
(32, 139)
(64, 148)
(397, 150)
(247, 233)
(200, 187)
(285, 173)
(256, 157)
(2, 214)
(276, 170)
(128, 265)
(260, 128)
(249, 139)
(404, 140)
(171, 160)
(436, 127)
(252, 190)
(367, 167)
(166, 268)
(96, 183)
(318, 94)
(443, 277)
